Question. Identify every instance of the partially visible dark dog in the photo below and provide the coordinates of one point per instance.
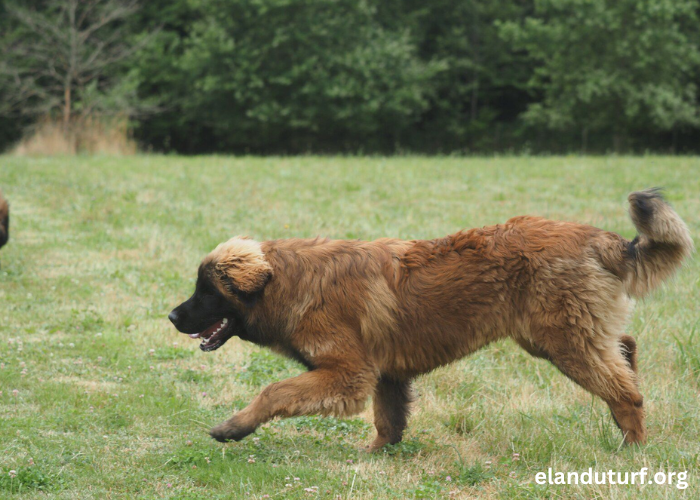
(367, 317)
(4, 221)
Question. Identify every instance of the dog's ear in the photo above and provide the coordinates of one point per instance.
(241, 276)
(240, 266)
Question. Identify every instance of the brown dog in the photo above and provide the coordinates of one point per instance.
(367, 317)
(4, 221)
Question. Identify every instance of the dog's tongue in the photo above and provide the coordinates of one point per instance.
(207, 333)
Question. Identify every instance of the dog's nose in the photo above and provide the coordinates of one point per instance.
(173, 317)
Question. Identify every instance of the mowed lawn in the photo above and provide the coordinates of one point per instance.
(102, 398)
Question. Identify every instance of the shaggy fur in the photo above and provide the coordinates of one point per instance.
(368, 317)
(4, 221)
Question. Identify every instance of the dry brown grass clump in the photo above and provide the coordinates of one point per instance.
(94, 135)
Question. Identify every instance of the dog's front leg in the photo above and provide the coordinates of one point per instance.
(324, 391)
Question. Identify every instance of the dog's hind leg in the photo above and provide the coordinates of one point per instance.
(628, 348)
(340, 389)
(392, 399)
(602, 369)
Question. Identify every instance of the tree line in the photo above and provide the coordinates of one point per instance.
(360, 76)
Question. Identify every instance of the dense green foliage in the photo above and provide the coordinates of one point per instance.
(612, 67)
(295, 76)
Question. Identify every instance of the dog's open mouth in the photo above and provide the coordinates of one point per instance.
(215, 336)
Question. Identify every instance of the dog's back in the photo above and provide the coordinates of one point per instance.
(456, 294)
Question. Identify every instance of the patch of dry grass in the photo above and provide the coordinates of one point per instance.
(93, 135)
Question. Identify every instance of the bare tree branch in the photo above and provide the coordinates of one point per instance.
(66, 53)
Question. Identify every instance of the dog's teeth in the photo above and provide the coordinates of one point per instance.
(224, 321)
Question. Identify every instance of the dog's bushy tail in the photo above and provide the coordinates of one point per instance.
(661, 246)
(4, 221)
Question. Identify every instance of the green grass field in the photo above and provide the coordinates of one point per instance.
(102, 398)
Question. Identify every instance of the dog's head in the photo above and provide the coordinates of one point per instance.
(230, 279)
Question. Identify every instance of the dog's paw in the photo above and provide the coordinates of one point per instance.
(377, 445)
(230, 431)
